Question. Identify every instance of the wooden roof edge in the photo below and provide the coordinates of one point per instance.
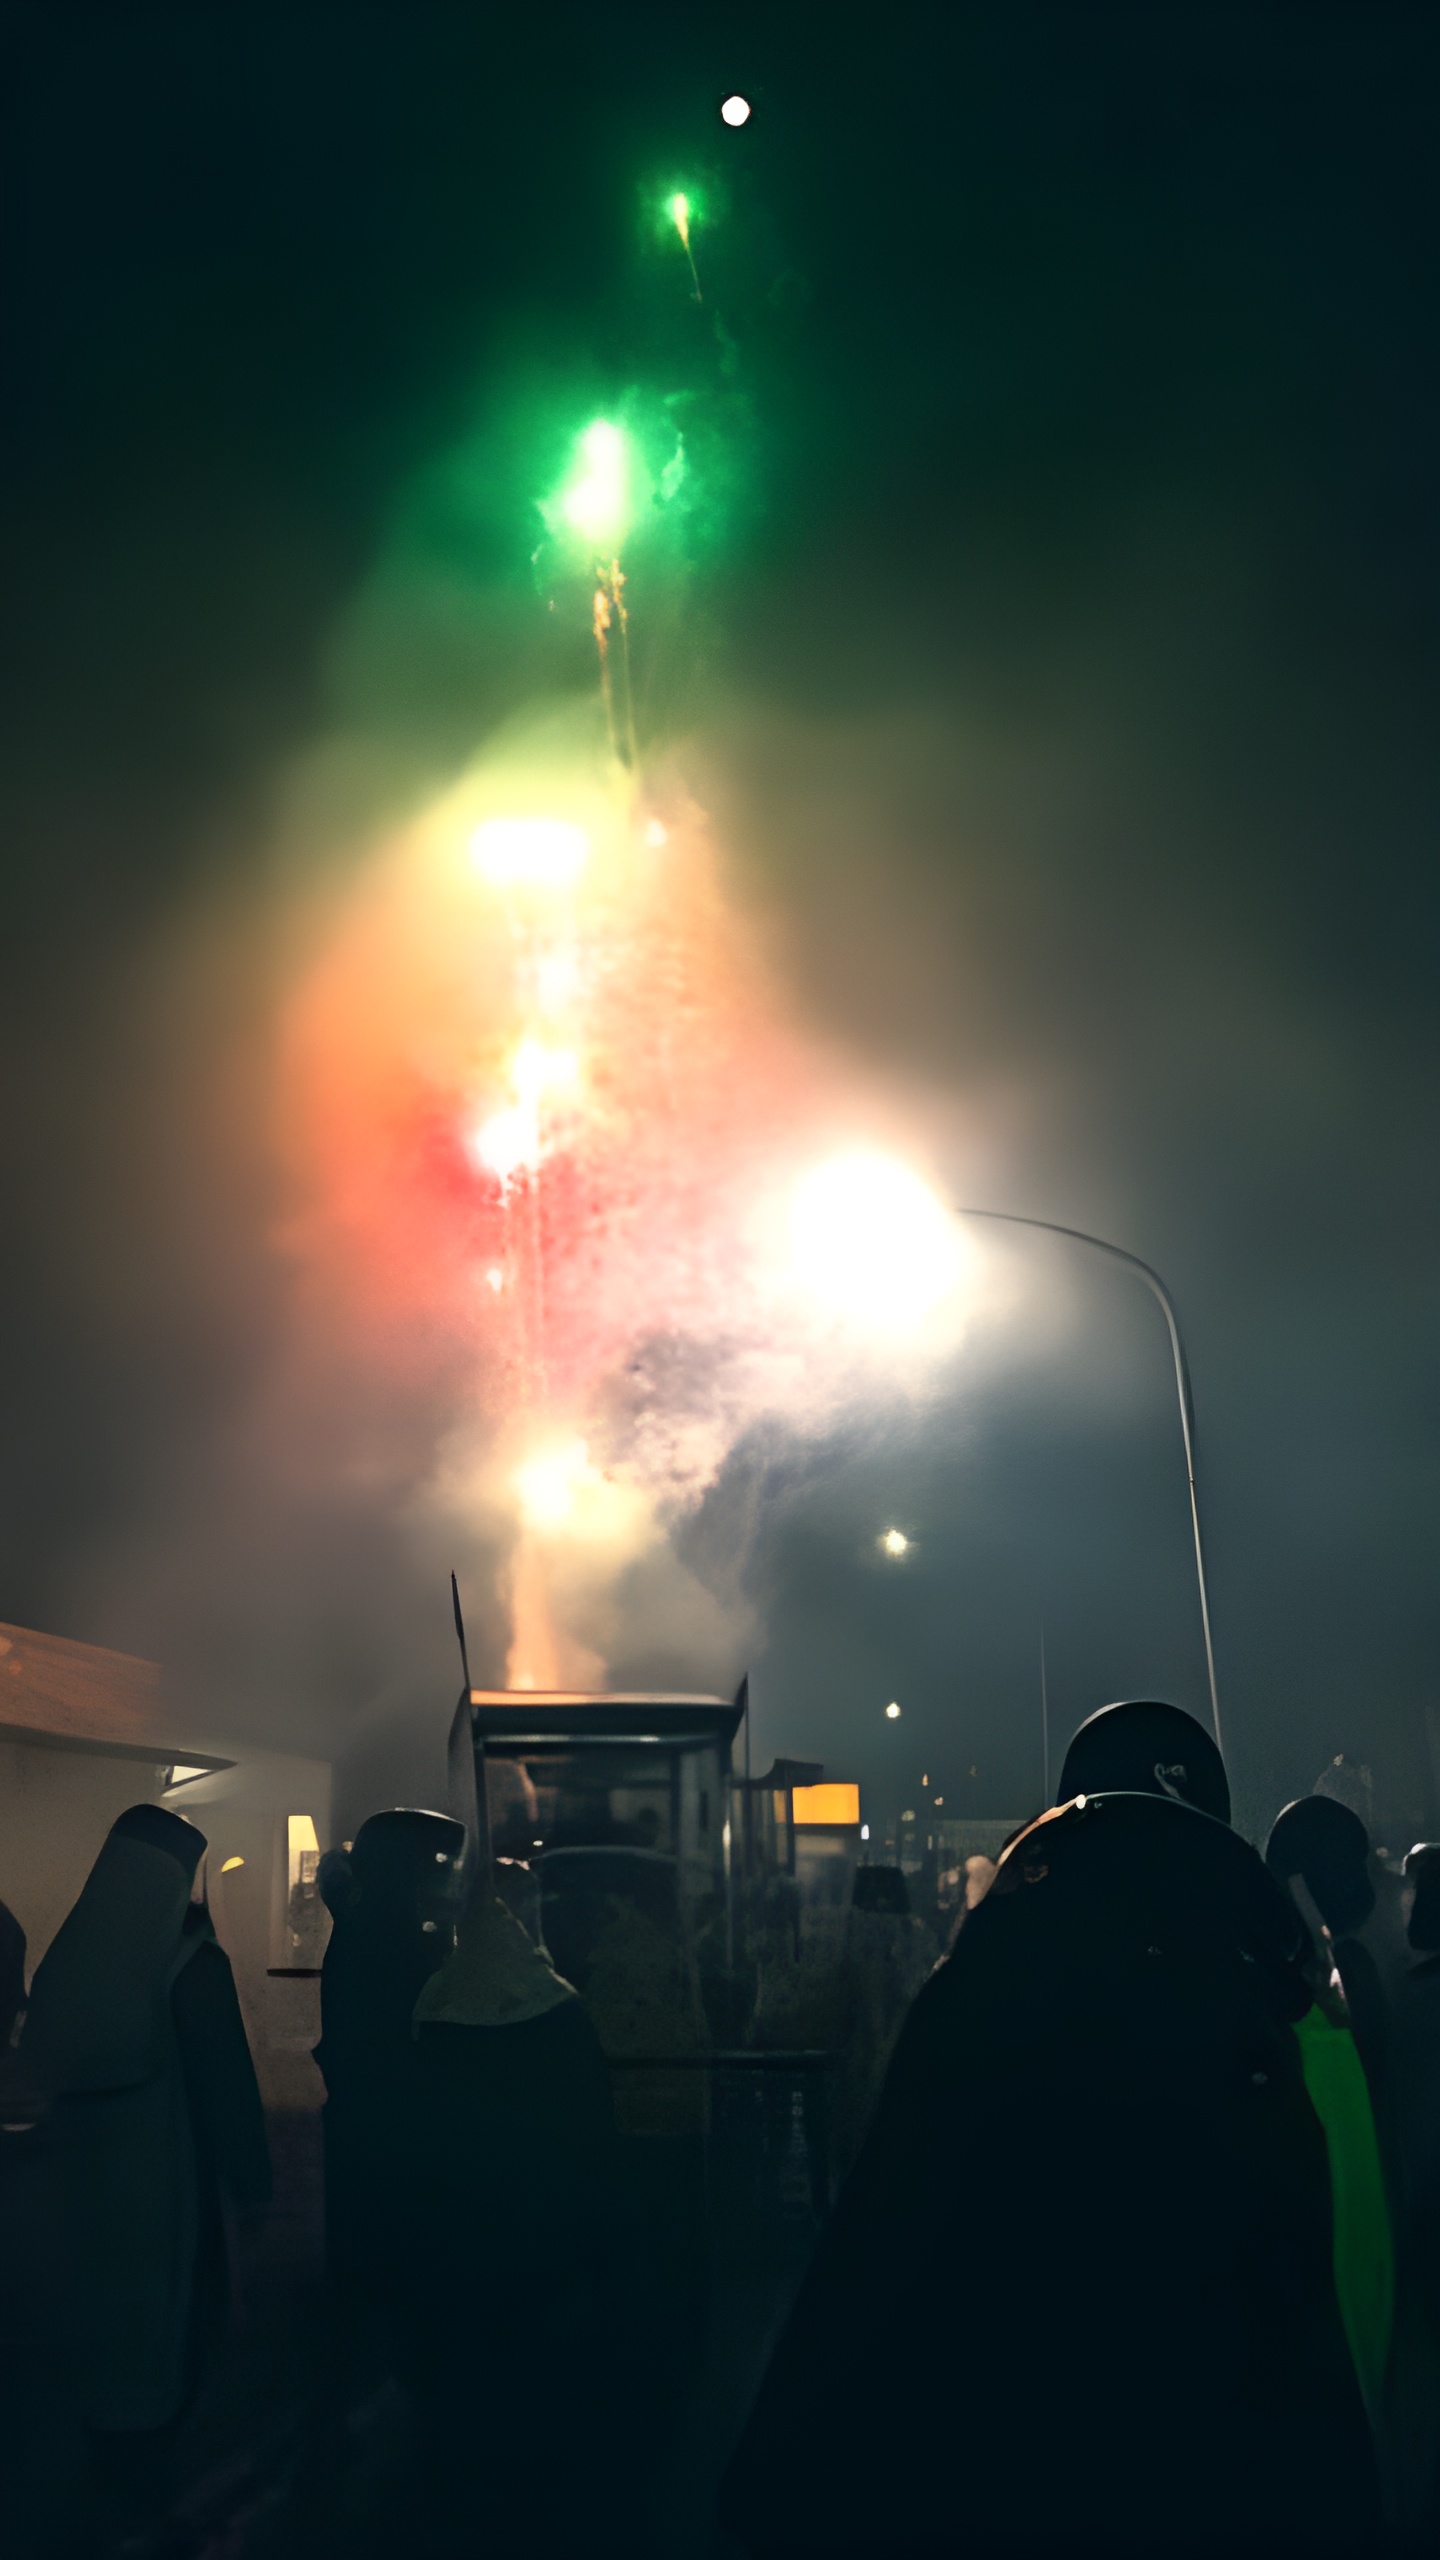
(106, 1746)
(98, 1658)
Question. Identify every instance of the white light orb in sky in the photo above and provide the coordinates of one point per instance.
(548, 1484)
(894, 1542)
(735, 111)
(872, 1242)
(532, 853)
(892, 1711)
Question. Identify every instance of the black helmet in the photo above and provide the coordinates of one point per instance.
(1329, 1846)
(1142, 1746)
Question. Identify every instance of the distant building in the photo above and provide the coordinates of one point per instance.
(84, 1732)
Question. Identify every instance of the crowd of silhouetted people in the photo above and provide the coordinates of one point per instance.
(1137, 2251)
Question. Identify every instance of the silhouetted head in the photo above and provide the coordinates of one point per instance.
(157, 1828)
(394, 1897)
(402, 1877)
(881, 1889)
(1422, 1869)
(1328, 1845)
(1141, 1746)
(403, 1847)
(99, 2002)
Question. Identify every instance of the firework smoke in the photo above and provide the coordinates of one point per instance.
(544, 1107)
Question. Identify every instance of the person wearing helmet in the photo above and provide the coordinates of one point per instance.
(1077, 2293)
(393, 1900)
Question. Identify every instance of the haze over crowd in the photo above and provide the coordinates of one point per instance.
(1061, 703)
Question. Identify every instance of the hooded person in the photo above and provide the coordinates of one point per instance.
(392, 1899)
(130, 2106)
(1076, 2297)
(513, 2195)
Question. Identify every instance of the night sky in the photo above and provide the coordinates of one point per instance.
(1061, 674)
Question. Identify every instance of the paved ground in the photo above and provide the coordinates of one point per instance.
(300, 2446)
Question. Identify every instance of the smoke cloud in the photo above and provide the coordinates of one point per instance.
(1040, 727)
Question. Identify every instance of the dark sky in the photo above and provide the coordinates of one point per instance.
(1067, 680)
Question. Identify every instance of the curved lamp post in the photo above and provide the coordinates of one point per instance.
(1158, 1291)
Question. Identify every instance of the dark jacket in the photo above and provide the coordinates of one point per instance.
(1077, 2294)
(133, 2106)
(391, 1899)
(513, 2280)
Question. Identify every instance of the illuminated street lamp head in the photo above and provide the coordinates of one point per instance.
(871, 1241)
(735, 111)
(894, 1542)
(892, 1711)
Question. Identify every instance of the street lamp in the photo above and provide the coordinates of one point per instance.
(1158, 1291)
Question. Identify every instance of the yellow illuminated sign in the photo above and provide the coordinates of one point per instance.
(836, 1803)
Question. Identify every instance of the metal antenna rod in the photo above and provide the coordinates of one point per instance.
(1158, 1290)
(460, 1631)
(1044, 1717)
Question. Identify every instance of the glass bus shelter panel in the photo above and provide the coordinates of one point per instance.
(825, 1864)
(669, 1800)
(613, 1856)
(580, 1799)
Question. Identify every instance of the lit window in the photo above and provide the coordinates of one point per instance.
(835, 1802)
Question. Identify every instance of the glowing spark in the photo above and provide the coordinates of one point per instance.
(548, 1484)
(894, 1542)
(538, 1070)
(560, 1489)
(655, 834)
(495, 1280)
(600, 619)
(595, 501)
(679, 211)
(872, 1241)
(735, 111)
(609, 608)
(531, 853)
(892, 1711)
(509, 1142)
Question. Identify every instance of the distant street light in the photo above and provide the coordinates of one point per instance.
(1158, 1290)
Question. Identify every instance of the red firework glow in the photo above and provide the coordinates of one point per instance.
(548, 1112)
